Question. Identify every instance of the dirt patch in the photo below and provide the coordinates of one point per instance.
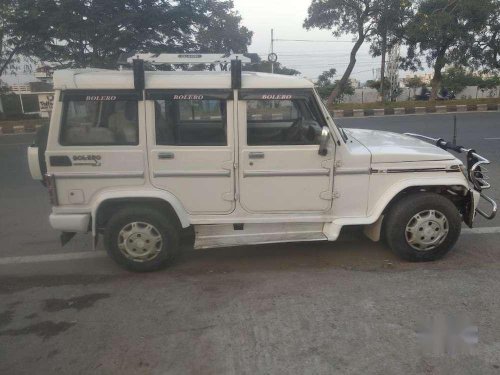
(77, 303)
(45, 330)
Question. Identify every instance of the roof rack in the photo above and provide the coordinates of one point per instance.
(235, 61)
(191, 58)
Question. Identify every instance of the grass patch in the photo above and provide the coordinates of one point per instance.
(413, 104)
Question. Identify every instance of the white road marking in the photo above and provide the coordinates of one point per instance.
(102, 254)
(487, 230)
(52, 257)
(492, 139)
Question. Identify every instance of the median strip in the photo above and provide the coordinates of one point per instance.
(339, 113)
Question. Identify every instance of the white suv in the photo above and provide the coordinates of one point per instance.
(238, 158)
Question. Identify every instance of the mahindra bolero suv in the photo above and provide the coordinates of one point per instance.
(235, 158)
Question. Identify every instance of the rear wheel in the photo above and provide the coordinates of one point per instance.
(423, 227)
(141, 239)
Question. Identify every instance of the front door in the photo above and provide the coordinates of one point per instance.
(191, 153)
(280, 169)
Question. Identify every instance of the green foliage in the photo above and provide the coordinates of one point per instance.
(444, 32)
(325, 78)
(487, 46)
(82, 33)
(457, 79)
(325, 85)
(376, 84)
(414, 82)
(489, 83)
(24, 30)
(391, 18)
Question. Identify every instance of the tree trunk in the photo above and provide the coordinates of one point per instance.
(437, 80)
(345, 78)
(382, 68)
(7, 61)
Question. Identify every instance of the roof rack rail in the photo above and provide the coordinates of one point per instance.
(235, 62)
(191, 58)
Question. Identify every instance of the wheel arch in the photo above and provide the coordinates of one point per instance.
(450, 189)
(109, 202)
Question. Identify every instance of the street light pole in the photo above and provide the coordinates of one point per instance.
(272, 49)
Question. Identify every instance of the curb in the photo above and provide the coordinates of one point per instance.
(339, 113)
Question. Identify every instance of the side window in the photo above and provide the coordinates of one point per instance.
(282, 122)
(191, 122)
(99, 123)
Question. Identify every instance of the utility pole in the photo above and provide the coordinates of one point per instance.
(393, 70)
(382, 69)
(272, 49)
(384, 21)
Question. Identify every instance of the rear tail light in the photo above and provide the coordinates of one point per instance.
(50, 181)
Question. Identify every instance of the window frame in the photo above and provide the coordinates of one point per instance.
(68, 96)
(307, 95)
(223, 95)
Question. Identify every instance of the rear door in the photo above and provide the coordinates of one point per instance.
(191, 147)
(96, 141)
(280, 168)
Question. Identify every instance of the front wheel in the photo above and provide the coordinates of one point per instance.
(141, 239)
(423, 227)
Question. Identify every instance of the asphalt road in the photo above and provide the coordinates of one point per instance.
(349, 307)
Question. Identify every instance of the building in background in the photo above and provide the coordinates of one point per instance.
(33, 98)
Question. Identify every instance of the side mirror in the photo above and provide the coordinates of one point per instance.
(325, 138)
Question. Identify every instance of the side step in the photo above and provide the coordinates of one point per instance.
(226, 235)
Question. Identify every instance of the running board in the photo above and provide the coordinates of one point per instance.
(227, 235)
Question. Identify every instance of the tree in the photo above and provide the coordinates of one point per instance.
(488, 43)
(95, 33)
(390, 20)
(414, 83)
(457, 79)
(347, 17)
(444, 31)
(377, 84)
(221, 29)
(325, 85)
(24, 31)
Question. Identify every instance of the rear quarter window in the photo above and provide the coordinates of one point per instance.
(94, 123)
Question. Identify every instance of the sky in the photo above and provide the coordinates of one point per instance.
(286, 17)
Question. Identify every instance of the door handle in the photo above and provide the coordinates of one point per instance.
(166, 155)
(256, 155)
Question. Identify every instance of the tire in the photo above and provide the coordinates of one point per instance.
(423, 227)
(151, 244)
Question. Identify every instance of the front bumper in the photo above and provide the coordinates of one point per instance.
(490, 201)
(476, 174)
(73, 223)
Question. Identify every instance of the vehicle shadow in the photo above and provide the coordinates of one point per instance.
(352, 251)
